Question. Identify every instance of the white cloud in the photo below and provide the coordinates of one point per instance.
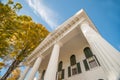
(47, 14)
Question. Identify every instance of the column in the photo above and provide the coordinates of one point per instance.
(40, 75)
(35, 68)
(50, 73)
(25, 73)
(107, 55)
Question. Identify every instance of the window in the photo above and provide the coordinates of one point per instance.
(60, 73)
(74, 67)
(86, 65)
(72, 60)
(60, 66)
(74, 71)
(88, 52)
(92, 62)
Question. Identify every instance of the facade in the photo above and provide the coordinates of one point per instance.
(74, 51)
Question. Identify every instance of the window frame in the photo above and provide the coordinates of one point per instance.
(88, 53)
(60, 65)
(72, 60)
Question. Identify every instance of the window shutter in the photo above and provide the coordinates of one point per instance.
(79, 68)
(62, 74)
(86, 65)
(97, 60)
(69, 71)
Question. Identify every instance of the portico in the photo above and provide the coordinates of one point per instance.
(75, 50)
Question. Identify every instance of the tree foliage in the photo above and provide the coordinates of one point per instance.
(1, 65)
(8, 18)
(19, 34)
(15, 74)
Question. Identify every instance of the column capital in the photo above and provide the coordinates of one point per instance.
(85, 26)
(59, 43)
(41, 56)
(85, 23)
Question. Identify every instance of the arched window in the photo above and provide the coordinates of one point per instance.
(72, 60)
(92, 61)
(60, 66)
(88, 52)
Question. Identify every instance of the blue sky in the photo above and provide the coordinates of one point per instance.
(52, 13)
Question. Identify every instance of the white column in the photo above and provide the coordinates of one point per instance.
(35, 68)
(40, 75)
(23, 75)
(50, 73)
(108, 56)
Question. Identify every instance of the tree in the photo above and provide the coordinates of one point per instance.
(1, 65)
(15, 74)
(7, 25)
(19, 35)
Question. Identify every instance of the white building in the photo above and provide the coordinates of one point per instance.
(74, 51)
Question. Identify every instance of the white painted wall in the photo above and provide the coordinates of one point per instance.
(93, 74)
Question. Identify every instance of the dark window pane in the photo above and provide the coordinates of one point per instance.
(74, 71)
(79, 68)
(60, 66)
(86, 65)
(73, 60)
(88, 52)
(92, 63)
(62, 74)
(69, 71)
